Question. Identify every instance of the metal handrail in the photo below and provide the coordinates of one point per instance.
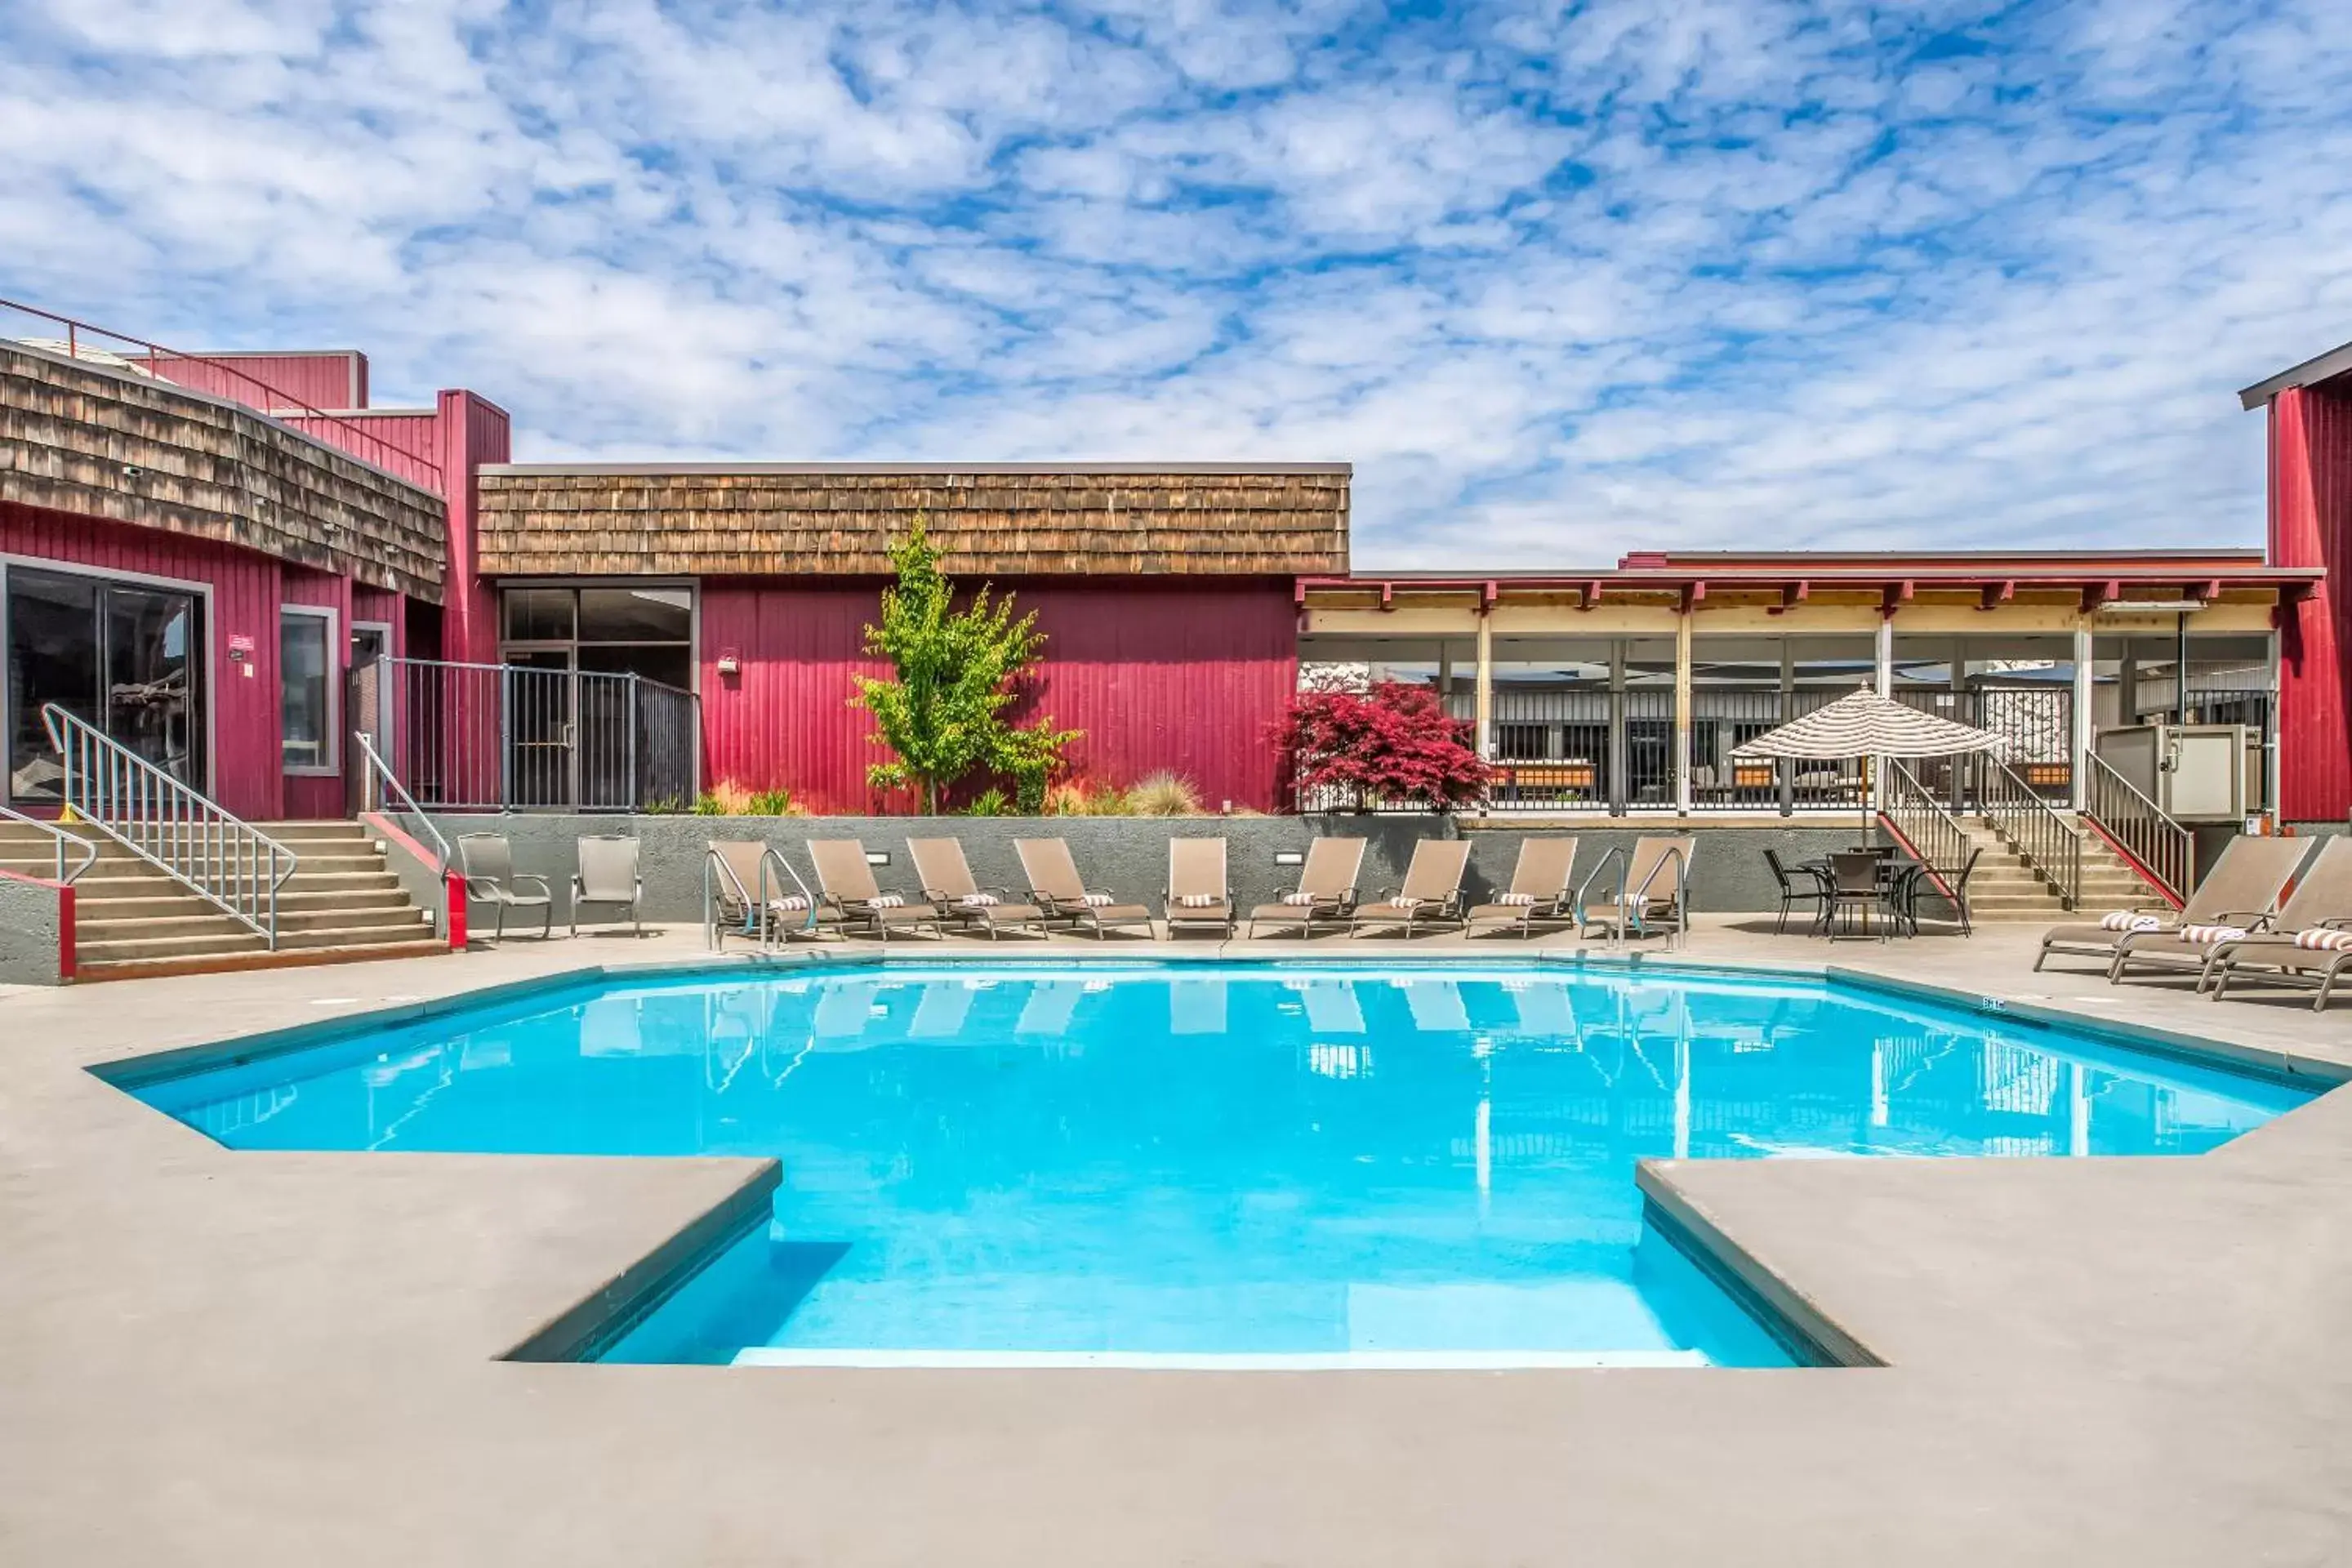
(283, 401)
(769, 856)
(401, 804)
(1681, 862)
(1939, 838)
(2050, 844)
(62, 838)
(1616, 856)
(2166, 852)
(176, 828)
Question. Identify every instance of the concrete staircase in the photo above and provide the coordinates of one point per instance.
(343, 903)
(2005, 888)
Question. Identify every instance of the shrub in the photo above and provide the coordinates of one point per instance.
(1393, 745)
(729, 798)
(990, 802)
(1164, 793)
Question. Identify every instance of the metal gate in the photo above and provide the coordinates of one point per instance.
(530, 737)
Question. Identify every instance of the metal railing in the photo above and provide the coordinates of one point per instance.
(2165, 851)
(185, 833)
(760, 912)
(1934, 834)
(88, 343)
(1625, 904)
(2046, 842)
(381, 789)
(506, 737)
(61, 840)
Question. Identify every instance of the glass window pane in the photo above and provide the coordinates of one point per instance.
(538, 615)
(636, 614)
(153, 682)
(53, 656)
(302, 668)
(671, 666)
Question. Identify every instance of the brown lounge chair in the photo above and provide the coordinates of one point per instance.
(1327, 888)
(1651, 897)
(735, 873)
(2321, 904)
(2242, 889)
(1198, 892)
(1539, 890)
(1054, 883)
(1431, 894)
(948, 882)
(846, 882)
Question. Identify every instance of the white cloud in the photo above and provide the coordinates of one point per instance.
(1561, 280)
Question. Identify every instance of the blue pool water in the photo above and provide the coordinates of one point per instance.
(1267, 1160)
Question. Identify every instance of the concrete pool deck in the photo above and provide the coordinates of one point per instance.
(290, 1358)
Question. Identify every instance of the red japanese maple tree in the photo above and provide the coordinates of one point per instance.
(1393, 745)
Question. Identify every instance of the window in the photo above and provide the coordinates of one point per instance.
(126, 657)
(305, 706)
(645, 631)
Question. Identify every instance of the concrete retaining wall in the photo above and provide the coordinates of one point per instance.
(1127, 857)
(32, 929)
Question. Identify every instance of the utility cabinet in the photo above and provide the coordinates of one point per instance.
(2194, 773)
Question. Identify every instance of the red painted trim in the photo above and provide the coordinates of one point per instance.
(1912, 850)
(453, 888)
(65, 917)
(2139, 867)
(453, 885)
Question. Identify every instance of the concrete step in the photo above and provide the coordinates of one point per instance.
(170, 899)
(227, 936)
(114, 927)
(185, 964)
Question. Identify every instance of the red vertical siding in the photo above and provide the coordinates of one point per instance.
(243, 601)
(331, 379)
(405, 441)
(1183, 677)
(474, 431)
(2311, 525)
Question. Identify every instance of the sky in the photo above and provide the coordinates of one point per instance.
(1561, 280)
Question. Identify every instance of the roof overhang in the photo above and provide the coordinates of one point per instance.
(2336, 362)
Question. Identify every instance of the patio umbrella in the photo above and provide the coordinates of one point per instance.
(1863, 724)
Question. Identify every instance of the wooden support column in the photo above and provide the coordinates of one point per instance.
(1486, 698)
(1683, 711)
(2083, 690)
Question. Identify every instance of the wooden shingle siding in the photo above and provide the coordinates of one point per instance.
(71, 436)
(835, 522)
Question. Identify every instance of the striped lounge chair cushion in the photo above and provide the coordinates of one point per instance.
(2324, 941)
(2128, 919)
(1095, 900)
(1198, 900)
(2206, 936)
(1302, 900)
(977, 901)
(1517, 901)
(889, 901)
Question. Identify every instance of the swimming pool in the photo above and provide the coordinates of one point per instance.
(1129, 1164)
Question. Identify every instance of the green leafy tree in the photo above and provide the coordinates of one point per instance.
(943, 716)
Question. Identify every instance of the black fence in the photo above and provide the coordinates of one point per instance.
(501, 737)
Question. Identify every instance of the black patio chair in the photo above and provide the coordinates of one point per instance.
(1855, 885)
(1793, 890)
(1956, 886)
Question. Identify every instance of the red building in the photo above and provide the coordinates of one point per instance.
(2310, 410)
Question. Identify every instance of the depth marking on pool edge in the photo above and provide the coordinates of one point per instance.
(1180, 1360)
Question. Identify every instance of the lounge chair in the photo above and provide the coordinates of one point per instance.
(946, 876)
(1431, 894)
(1198, 892)
(1650, 897)
(845, 881)
(487, 862)
(1054, 883)
(2310, 943)
(1539, 891)
(1327, 888)
(735, 873)
(607, 876)
(2241, 890)
(2189, 945)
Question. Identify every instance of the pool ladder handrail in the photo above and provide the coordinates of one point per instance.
(769, 856)
(1679, 937)
(61, 839)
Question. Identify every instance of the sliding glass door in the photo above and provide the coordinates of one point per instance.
(126, 657)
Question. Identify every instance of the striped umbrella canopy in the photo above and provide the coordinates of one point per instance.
(1865, 724)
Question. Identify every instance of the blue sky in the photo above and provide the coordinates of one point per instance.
(1561, 280)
